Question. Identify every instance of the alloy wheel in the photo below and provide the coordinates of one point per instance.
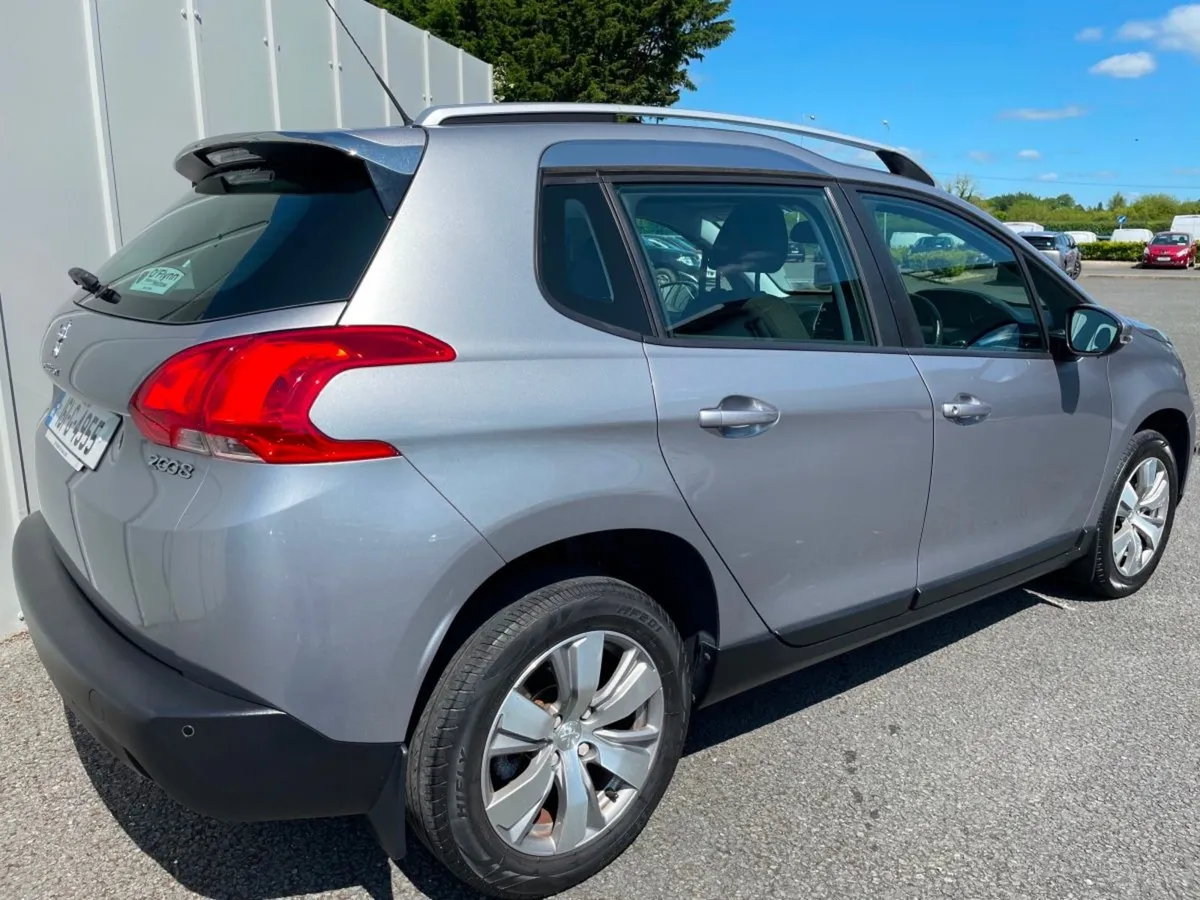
(573, 744)
(1141, 517)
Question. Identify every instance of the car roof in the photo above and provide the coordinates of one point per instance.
(1040, 233)
(597, 135)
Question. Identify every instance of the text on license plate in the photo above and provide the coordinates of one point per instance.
(79, 431)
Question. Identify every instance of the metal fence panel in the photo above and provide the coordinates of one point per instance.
(151, 99)
(445, 83)
(304, 63)
(477, 80)
(235, 66)
(364, 105)
(405, 66)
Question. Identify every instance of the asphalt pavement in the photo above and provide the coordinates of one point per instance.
(1015, 749)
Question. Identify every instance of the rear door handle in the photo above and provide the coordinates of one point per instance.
(738, 416)
(965, 408)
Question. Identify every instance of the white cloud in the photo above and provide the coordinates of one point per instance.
(1049, 176)
(1126, 65)
(1029, 154)
(1138, 31)
(980, 156)
(1090, 34)
(1186, 170)
(1178, 30)
(1044, 115)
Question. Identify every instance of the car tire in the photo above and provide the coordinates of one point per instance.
(1107, 571)
(489, 682)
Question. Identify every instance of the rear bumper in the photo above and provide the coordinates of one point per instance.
(219, 755)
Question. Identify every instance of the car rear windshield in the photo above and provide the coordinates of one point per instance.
(1041, 242)
(249, 242)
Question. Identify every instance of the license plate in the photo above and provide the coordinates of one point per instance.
(80, 431)
(1163, 258)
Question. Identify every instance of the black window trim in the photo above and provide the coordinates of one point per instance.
(587, 177)
(885, 336)
(915, 342)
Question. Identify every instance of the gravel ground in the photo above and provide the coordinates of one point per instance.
(1012, 750)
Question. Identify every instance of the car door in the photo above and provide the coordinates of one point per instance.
(1020, 437)
(798, 431)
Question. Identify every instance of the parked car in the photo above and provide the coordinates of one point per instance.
(670, 261)
(329, 525)
(1132, 235)
(1170, 249)
(1059, 248)
(1083, 237)
(1023, 227)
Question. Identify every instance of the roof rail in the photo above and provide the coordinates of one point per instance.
(896, 161)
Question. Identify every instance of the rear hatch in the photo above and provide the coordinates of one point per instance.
(275, 235)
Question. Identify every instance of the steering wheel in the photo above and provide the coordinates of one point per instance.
(936, 327)
(677, 294)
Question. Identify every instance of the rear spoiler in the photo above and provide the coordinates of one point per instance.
(390, 155)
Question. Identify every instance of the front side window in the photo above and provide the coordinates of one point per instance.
(966, 287)
(748, 263)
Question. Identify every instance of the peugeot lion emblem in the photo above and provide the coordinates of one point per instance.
(62, 337)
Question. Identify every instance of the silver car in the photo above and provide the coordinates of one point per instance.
(1059, 248)
(380, 474)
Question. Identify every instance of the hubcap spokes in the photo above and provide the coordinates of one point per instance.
(1141, 517)
(573, 743)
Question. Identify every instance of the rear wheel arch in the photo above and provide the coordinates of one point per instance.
(665, 566)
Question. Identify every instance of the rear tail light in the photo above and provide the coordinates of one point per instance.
(249, 397)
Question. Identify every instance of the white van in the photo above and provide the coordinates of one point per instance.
(1188, 225)
(1024, 227)
(1083, 237)
(1132, 235)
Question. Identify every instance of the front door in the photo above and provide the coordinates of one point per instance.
(1020, 439)
(801, 444)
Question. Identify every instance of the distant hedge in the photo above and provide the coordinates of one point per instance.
(1114, 251)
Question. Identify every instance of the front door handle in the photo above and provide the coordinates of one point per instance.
(965, 408)
(738, 416)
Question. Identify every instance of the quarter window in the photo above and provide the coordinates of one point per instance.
(582, 261)
(966, 287)
(747, 263)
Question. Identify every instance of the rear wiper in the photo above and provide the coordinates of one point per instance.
(93, 285)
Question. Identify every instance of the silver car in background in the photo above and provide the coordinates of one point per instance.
(1058, 247)
(386, 473)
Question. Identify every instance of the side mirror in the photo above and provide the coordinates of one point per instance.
(1093, 331)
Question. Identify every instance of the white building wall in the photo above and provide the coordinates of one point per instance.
(98, 97)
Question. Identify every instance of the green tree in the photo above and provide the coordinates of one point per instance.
(602, 51)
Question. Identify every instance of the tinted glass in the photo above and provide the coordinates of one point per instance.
(582, 260)
(970, 295)
(1176, 240)
(744, 279)
(1056, 295)
(257, 247)
(1042, 243)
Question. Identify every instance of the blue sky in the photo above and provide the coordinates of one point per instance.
(1085, 99)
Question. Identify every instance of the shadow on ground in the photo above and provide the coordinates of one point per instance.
(276, 860)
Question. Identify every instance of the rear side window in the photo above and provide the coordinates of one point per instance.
(249, 243)
(582, 261)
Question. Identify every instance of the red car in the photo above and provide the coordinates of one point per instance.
(1172, 249)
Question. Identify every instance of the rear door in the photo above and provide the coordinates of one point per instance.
(797, 430)
(1020, 438)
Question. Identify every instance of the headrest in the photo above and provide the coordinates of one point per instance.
(754, 238)
(804, 233)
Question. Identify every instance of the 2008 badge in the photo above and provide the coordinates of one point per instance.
(171, 466)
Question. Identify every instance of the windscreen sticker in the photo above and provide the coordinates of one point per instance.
(161, 279)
